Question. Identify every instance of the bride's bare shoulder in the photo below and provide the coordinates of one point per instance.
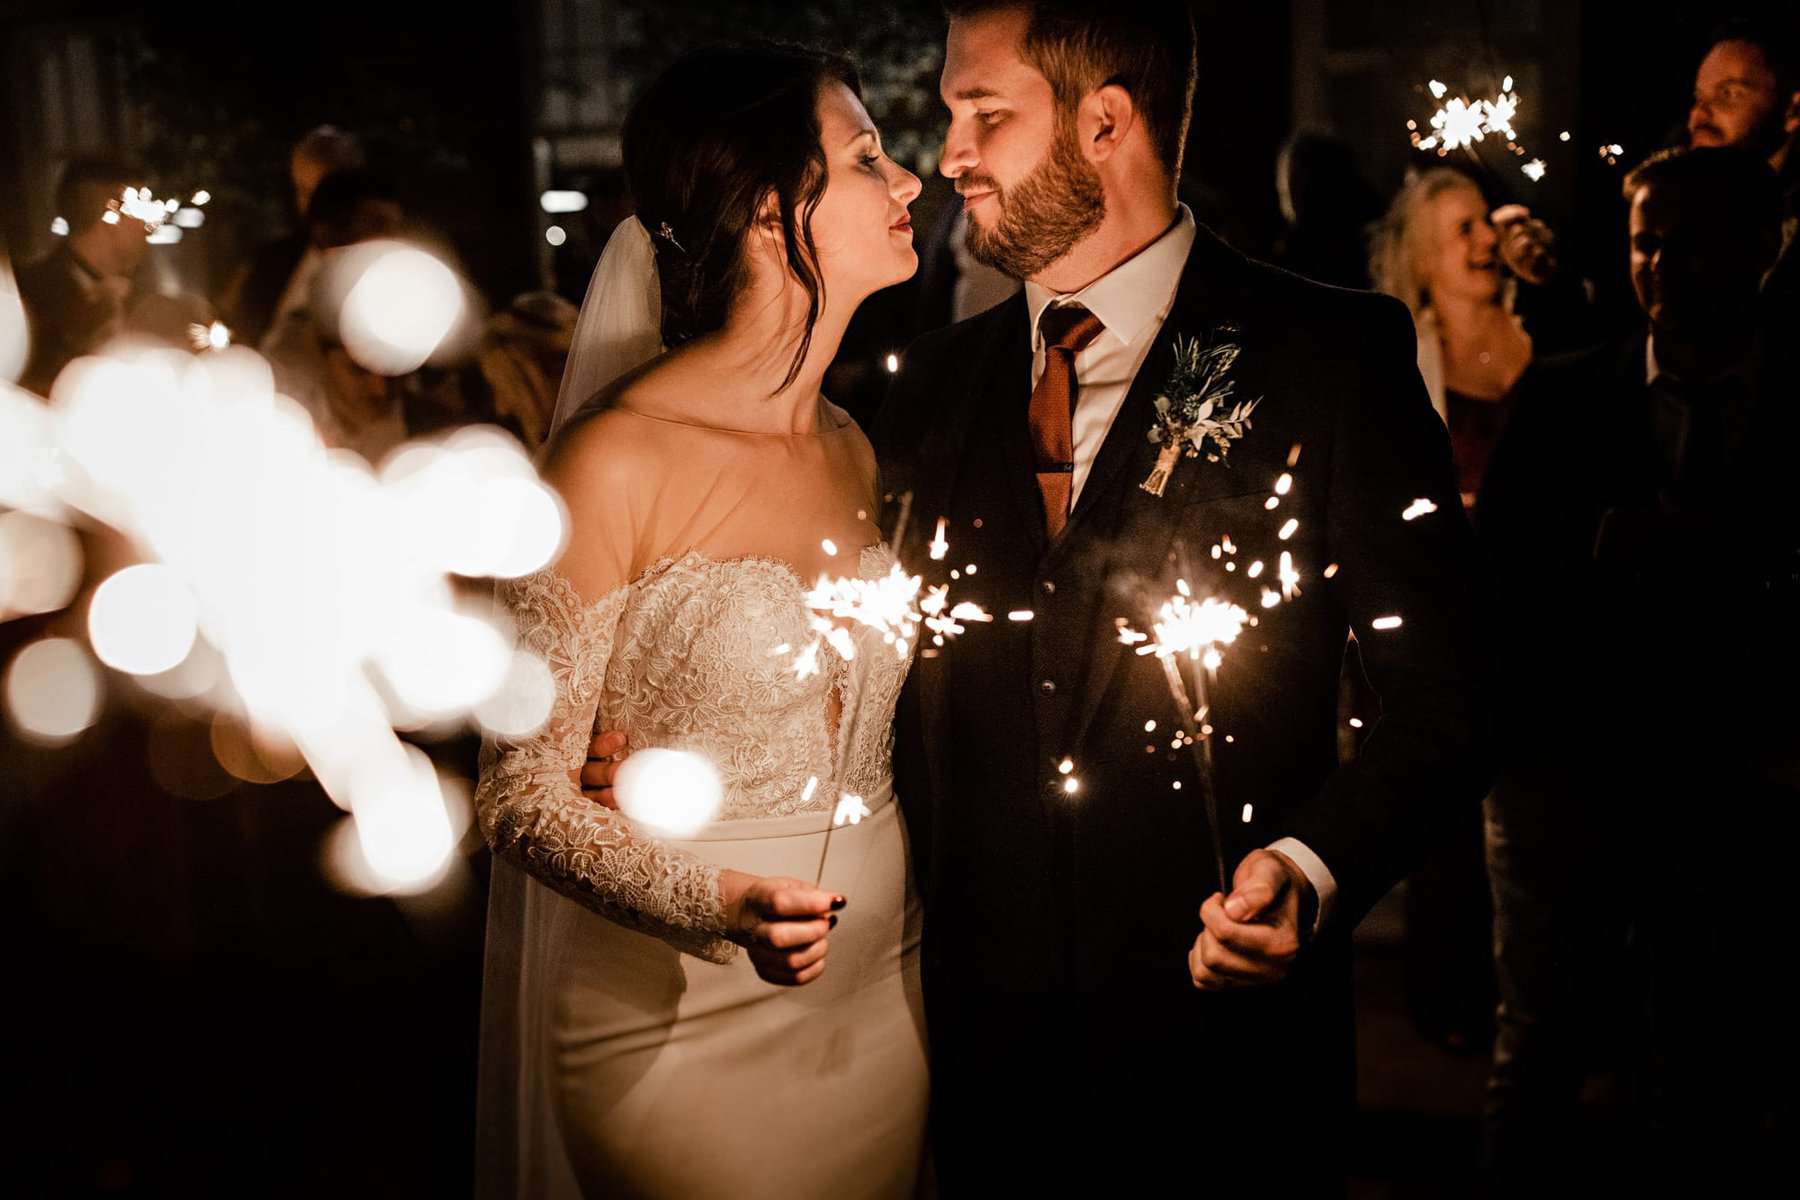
(601, 454)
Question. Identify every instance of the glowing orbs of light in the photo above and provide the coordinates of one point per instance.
(474, 506)
(400, 306)
(252, 752)
(521, 704)
(143, 620)
(30, 466)
(673, 791)
(15, 332)
(401, 836)
(441, 662)
(52, 691)
(40, 565)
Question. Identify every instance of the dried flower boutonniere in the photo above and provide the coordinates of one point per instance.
(1192, 417)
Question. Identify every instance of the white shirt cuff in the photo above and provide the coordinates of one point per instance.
(1317, 873)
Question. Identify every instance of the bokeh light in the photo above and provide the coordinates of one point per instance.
(253, 753)
(15, 334)
(443, 662)
(143, 620)
(402, 824)
(182, 761)
(521, 704)
(401, 307)
(675, 792)
(40, 564)
(52, 691)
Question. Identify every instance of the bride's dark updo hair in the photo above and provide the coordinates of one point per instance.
(704, 145)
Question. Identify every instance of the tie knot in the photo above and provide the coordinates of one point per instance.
(1069, 327)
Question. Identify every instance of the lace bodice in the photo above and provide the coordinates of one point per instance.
(695, 654)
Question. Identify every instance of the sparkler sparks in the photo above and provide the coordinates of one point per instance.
(1290, 578)
(1459, 123)
(939, 547)
(1194, 631)
(209, 337)
(1418, 508)
(850, 811)
(1185, 628)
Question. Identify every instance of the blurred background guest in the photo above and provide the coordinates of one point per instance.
(1747, 93)
(1643, 536)
(352, 406)
(1327, 208)
(276, 277)
(953, 284)
(86, 291)
(1437, 251)
(521, 358)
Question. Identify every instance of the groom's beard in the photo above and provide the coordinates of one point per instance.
(1044, 215)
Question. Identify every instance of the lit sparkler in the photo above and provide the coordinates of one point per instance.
(1195, 632)
(209, 337)
(1460, 123)
(893, 607)
(1423, 506)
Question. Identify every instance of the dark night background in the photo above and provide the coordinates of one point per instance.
(189, 1007)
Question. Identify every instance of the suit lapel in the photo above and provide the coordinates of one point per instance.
(1131, 529)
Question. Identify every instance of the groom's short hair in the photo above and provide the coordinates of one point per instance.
(1144, 46)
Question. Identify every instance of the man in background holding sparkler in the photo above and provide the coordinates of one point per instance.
(1641, 515)
(1057, 810)
(79, 295)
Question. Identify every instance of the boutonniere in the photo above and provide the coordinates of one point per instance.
(1194, 413)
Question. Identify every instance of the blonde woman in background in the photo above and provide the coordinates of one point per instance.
(1438, 250)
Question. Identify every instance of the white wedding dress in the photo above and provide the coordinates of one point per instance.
(628, 1049)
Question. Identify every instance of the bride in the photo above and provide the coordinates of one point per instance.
(628, 1047)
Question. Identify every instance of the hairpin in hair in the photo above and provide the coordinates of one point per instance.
(663, 231)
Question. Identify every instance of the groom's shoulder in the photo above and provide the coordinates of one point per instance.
(1323, 313)
(932, 373)
(951, 345)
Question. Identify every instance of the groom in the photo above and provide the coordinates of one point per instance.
(1099, 1015)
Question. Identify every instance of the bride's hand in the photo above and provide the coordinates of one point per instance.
(782, 922)
(605, 753)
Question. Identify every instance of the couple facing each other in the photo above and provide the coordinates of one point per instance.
(1096, 1013)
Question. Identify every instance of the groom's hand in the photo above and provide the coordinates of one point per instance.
(1253, 935)
(604, 755)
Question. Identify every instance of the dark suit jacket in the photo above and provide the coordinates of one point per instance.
(66, 320)
(1057, 926)
(1645, 634)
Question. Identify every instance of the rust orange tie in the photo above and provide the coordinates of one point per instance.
(1067, 330)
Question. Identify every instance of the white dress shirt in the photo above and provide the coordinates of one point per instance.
(1133, 300)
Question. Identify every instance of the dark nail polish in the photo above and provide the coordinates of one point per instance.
(832, 924)
(837, 902)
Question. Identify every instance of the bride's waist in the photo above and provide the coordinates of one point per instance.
(811, 823)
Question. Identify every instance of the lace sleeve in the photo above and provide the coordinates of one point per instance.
(533, 814)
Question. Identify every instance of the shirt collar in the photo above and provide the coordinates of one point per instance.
(1132, 297)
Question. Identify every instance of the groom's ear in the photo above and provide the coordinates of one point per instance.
(1106, 119)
